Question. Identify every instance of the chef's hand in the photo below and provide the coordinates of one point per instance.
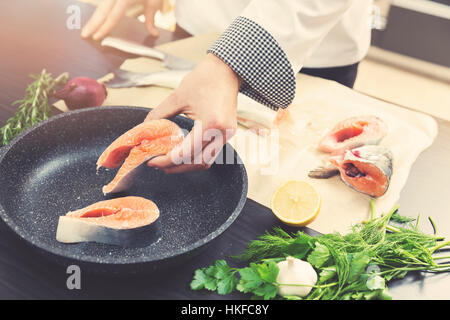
(208, 95)
(109, 12)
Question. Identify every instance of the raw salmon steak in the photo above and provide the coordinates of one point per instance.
(135, 147)
(366, 169)
(120, 221)
(353, 132)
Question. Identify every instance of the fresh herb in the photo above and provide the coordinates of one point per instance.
(396, 217)
(278, 244)
(34, 107)
(257, 278)
(357, 265)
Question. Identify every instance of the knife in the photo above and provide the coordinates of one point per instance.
(127, 79)
(169, 61)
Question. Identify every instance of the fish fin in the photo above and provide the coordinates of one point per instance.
(323, 173)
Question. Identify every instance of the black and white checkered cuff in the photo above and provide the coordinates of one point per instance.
(259, 60)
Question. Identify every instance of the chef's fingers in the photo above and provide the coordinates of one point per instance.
(151, 7)
(202, 161)
(97, 18)
(185, 152)
(114, 16)
(197, 151)
(171, 106)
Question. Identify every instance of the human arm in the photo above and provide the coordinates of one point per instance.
(271, 39)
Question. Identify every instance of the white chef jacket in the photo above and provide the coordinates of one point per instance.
(312, 33)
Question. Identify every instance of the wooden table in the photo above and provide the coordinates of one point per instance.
(34, 36)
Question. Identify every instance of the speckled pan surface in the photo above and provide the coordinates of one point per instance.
(51, 169)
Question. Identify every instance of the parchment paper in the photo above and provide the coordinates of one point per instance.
(319, 105)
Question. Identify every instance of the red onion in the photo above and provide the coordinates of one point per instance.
(82, 92)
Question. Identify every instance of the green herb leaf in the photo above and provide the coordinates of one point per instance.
(327, 273)
(370, 295)
(358, 263)
(266, 291)
(319, 256)
(396, 217)
(375, 282)
(250, 278)
(301, 246)
(227, 284)
(222, 270)
(201, 280)
(268, 271)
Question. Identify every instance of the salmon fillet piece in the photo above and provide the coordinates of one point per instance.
(353, 132)
(114, 221)
(366, 169)
(135, 147)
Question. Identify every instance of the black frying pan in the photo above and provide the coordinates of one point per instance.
(50, 169)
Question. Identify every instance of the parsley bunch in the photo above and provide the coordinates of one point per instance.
(257, 278)
(354, 266)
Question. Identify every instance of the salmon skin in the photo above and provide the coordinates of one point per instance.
(135, 147)
(353, 132)
(122, 221)
(367, 169)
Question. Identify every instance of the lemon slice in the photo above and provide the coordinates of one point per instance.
(296, 203)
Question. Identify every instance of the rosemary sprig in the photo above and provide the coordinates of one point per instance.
(34, 106)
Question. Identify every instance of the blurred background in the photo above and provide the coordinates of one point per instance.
(409, 61)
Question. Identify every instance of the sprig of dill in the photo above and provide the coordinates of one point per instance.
(34, 107)
(396, 217)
